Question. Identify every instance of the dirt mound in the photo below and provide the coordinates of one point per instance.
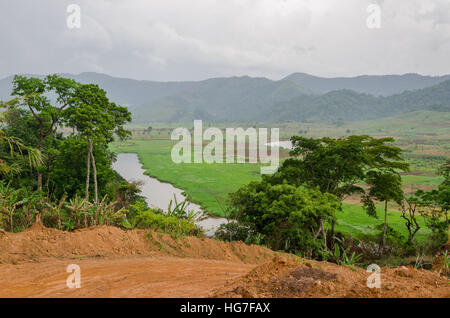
(39, 242)
(138, 263)
(126, 276)
(288, 278)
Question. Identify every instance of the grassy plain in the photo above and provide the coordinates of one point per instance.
(424, 137)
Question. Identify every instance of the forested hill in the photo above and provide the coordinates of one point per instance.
(298, 97)
(378, 85)
(347, 105)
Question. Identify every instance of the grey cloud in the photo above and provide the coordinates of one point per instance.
(197, 39)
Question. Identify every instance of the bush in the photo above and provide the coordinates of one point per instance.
(439, 232)
(291, 218)
(234, 231)
(396, 244)
(155, 220)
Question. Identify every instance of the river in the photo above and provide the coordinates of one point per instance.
(158, 194)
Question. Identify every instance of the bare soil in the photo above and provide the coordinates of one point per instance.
(117, 263)
(290, 278)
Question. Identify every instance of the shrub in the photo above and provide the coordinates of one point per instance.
(155, 220)
(291, 218)
(234, 231)
(439, 232)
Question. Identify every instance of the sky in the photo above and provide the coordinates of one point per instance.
(178, 40)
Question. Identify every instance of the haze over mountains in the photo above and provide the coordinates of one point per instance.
(297, 97)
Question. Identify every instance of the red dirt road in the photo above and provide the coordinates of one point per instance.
(120, 277)
(117, 263)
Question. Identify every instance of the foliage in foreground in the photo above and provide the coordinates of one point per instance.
(156, 220)
(19, 209)
(289, 217)
(294, 210)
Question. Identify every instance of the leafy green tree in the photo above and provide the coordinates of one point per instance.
(96, 119)
(68, 172)
(16, 148)
(433, 213)
(289, 217)
(338, 166)
(434, 206)
(443, 195)
(384, 186)
(33, 92)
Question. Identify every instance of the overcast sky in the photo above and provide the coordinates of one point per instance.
(197, 39)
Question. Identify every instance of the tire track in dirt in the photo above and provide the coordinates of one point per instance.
(120, 277)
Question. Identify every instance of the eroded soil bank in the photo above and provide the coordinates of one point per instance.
(117, 263)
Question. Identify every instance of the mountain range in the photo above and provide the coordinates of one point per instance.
(297, 97)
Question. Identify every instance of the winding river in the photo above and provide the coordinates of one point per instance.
(158, 194)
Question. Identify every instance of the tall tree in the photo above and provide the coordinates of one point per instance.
(33, 92)
(384, 186)
(16, 147)
(337, 166)
(290, 217)
(97, 120)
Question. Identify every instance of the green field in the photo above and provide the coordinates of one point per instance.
(204, 184)
(424, 137)
(353, 220)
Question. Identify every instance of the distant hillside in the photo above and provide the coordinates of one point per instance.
(346, 105)
(378, 85)
(299, 97)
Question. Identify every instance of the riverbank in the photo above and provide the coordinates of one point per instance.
(159, 194)
(206, 185)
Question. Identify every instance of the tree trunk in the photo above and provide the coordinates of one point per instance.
(88, 170)
(324, 233)
(332, 232)
(39, 164)
(385, 223)
(11, 219)
(94, 170)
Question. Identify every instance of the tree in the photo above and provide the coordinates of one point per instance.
(433, 213)
(337, 166)
(68, 171)
(16, 147)
(97, 120)
(384, 186)
(409, 208)
(434, 206)
(444, 170)
(32, 90)
(290, 217)
(443, 191)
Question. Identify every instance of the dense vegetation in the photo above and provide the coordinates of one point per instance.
(295, 209)
(55, 168)
(55, 163)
